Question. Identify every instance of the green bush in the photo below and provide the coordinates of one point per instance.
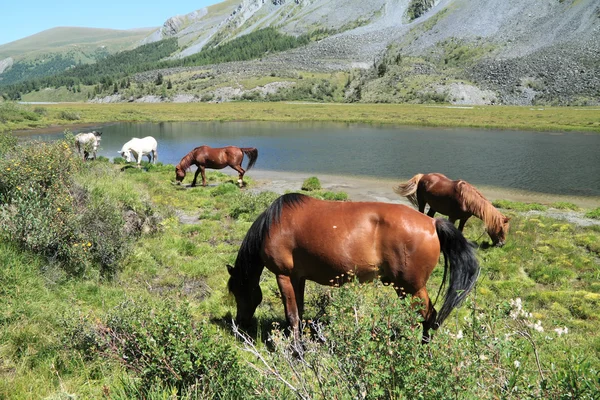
(366, 344)
(311, 183)
(248, 206)
(163, 349)
(224, 189)
(595, 213)
(564, 205)
(69, 116)
(14, 112)
(43, 210)
(337, 196)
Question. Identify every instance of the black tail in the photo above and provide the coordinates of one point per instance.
(252, 154)
(249, 253)
(464, 268)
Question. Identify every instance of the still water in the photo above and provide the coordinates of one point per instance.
(557, 163)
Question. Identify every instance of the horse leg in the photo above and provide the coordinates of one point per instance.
(431, 211)
(154, 156)
(299, 284)
(421, 202)
(426, 310)
(241, 173)
(196, 176)
(462, 223)
(203, 172)
(288, 296)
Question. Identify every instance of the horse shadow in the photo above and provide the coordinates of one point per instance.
(128, 166)
(258, 332)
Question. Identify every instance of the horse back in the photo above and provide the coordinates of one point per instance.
(320, 240)
(442, 194)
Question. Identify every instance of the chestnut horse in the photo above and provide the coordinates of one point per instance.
(300, 237)
(216, 158)
(456, 199)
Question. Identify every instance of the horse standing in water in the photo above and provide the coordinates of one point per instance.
(300, 237)
(456, 199)
(216, 158)
(87, 143)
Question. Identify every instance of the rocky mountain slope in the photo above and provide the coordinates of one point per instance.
(457, 51)
(461, 51)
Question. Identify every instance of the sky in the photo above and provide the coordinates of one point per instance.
(19, 20)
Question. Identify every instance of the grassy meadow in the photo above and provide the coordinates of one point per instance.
(498, 117)
(113, 285)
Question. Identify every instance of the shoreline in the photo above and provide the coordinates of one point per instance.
(381, 189)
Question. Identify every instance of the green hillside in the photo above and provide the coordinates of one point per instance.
(64, 39)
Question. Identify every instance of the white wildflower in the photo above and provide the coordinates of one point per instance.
(538, 326)
(561, 331)
(517, 363)
(459, 335)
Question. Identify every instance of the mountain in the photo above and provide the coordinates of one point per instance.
(57, 49)
(457, 51)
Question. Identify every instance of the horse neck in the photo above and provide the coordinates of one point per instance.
(481, 207)
(186, 161)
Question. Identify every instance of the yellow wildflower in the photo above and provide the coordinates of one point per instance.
(89, 244)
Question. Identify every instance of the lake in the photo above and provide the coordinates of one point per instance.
(555, 163)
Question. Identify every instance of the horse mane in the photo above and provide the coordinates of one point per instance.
(186, 161)
(249, 258)
(478, 205)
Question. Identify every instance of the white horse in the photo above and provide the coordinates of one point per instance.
(136, 148)
(87, 143)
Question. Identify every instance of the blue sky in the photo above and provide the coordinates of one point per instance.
(21, 19)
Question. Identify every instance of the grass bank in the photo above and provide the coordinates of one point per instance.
(148, 315)
(493, 117)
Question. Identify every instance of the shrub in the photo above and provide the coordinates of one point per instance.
(224, 189)
(43, 210)
(248, 206)
(40, 111)
(338, 196)
(69, 116)
(365, 344)
(563, 205)
(163, 348)
(311, 184)
(14, 112)
(595, 213)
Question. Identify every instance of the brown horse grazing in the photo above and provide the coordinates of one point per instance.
(216, 158)
(456, 199)
(300, 237)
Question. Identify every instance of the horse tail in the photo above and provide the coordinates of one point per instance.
(249, 254)
(459, 258)
(252, 153)
(409, 189)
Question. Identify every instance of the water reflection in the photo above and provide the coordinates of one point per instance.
(567, 163)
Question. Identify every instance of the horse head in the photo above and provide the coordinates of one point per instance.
(247, 296)
(97, 134)
(126, 154)
(179, 174)
(498, 234)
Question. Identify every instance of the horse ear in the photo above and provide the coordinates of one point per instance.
(230, 269)
(506, 219)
